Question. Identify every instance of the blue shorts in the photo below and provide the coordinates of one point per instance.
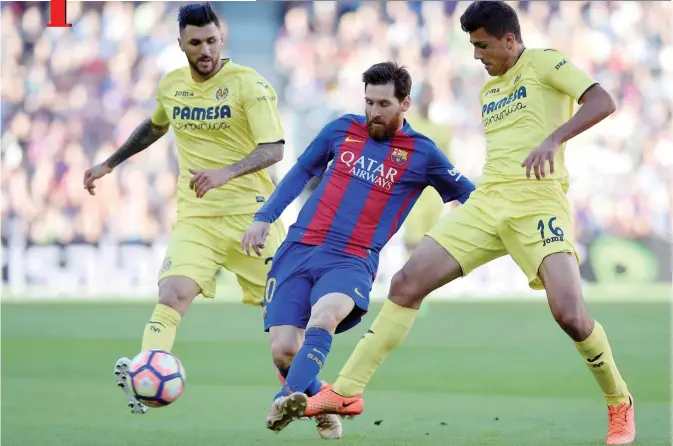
(301, 274)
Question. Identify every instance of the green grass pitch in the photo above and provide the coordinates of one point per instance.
(470, 373)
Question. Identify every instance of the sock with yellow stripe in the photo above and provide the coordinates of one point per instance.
(598, 357)
(160, 330)
(388, 330)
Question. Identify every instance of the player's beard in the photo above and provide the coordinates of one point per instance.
(380, 131)
(195, 67)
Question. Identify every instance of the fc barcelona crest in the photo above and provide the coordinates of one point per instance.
(399, 156)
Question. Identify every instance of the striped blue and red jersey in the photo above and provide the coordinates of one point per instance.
(368, 188)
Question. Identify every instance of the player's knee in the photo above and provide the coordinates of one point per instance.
(572, 317)
(404, 290)
(330, 310)
(325, 318)
(284, 349)
(573, 323)
(177, 294)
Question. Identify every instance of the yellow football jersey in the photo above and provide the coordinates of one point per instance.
(523, 107)
(218, 123)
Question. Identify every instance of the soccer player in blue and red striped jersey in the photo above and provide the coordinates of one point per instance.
(322, 274)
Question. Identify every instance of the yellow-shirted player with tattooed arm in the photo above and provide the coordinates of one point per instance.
(228, 131)
(527, 114)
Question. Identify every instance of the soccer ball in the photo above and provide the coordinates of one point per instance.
(157, 377)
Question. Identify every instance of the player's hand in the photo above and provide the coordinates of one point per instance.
(91, 175)
(537, 159)
(204, 180)
(255, 236)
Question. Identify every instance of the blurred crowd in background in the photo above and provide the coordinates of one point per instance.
(70, 97)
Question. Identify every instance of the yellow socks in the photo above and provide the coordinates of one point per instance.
(160, 330)
(387, 332)
(598, 356)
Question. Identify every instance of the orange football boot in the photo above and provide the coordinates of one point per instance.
(621, 423)
(330, 402)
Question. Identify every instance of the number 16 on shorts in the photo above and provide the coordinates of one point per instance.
(554, 234)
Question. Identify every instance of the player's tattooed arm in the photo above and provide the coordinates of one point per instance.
(263, 156)
(142, 137)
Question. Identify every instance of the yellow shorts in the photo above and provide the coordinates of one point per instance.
(528, 220)
(200, 246)
(423, 216)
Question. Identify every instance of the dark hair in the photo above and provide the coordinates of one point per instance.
(386, 72)
(197, 14)
(496, 17)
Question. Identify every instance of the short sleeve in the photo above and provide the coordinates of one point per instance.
(557, 71)
(260, 103)
(159, 117)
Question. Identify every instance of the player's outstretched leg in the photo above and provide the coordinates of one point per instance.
(286, 341)
(176, 293)
(429, 267)
(560, 274)
(291, 402)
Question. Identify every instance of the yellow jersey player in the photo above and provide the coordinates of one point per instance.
(228, 131)
(527, 114)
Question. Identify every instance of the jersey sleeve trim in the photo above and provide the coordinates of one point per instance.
(280, 141)
(579, 100)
